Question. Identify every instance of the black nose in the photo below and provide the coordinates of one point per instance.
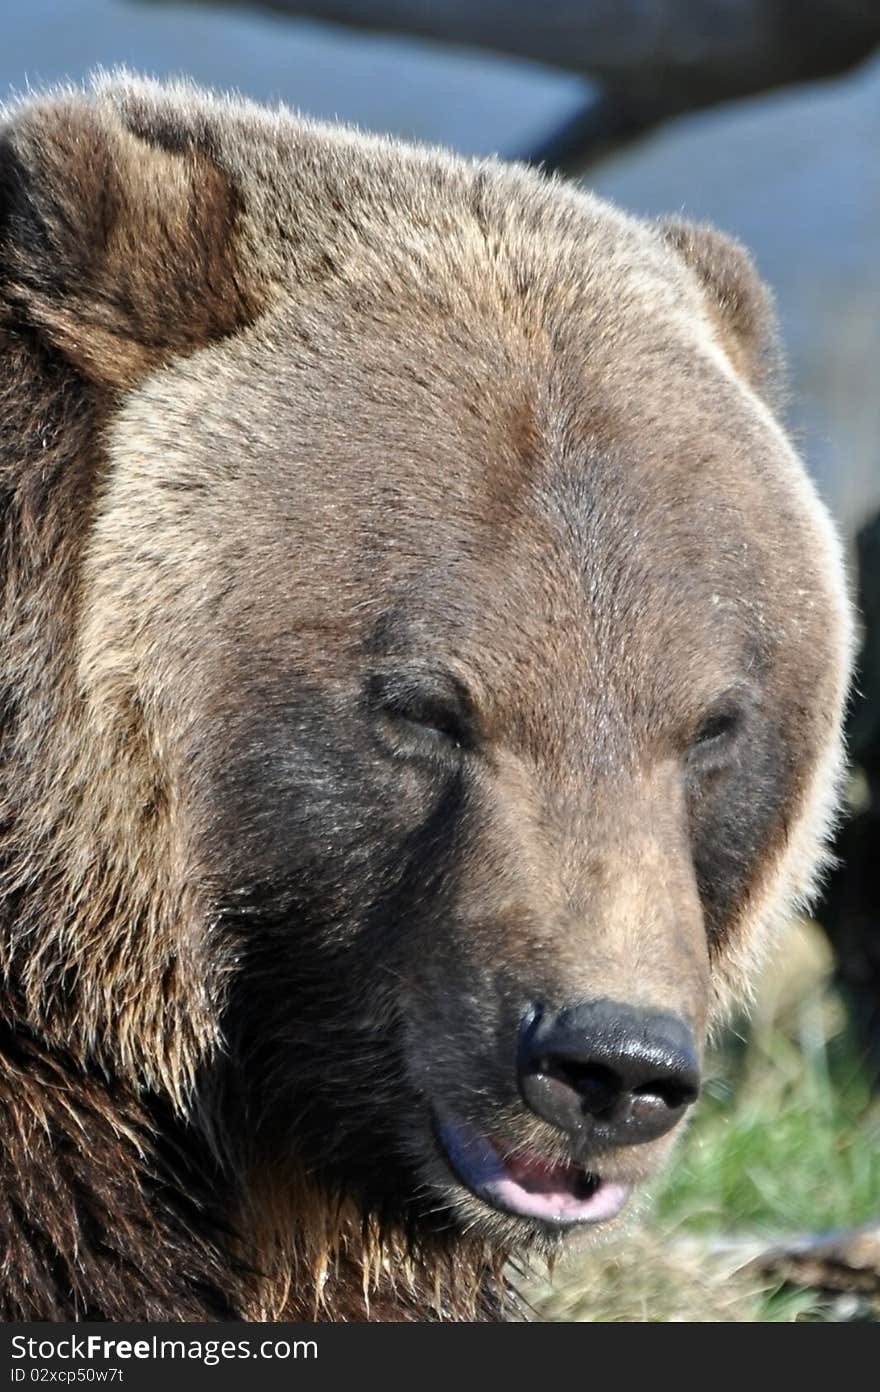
(606, 1073)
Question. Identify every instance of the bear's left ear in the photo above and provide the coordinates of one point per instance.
(739, 301)
(117, 248)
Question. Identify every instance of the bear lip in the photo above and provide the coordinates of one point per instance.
(528, 1185)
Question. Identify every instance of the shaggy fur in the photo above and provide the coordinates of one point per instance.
(411, 608)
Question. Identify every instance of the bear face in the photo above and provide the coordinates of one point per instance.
(435, 688)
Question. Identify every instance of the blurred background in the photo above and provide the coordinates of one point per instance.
(762, 116)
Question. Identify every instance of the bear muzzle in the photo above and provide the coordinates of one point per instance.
(602, 1078)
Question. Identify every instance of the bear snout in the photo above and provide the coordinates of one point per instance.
(606, 1073)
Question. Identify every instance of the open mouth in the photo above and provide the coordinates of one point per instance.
(530, 1186)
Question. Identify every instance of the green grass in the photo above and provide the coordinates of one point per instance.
(795, 1147)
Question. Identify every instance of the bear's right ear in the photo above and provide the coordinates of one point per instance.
(738, 300)
(119, 251)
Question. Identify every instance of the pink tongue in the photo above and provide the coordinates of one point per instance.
(558, 1204)
(540, 1189)
(529, 1185)
(545, 1176)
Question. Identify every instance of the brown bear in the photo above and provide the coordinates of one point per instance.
(421, 674)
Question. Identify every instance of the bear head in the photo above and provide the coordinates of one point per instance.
(423, 653)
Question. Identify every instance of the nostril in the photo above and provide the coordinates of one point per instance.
(675, 1093)
(597, 1086)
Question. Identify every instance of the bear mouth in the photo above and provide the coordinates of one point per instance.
(557, 1193)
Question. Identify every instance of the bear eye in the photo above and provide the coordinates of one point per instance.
(432, 717)
(720, 725)
(717, 731)
(421, 713)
